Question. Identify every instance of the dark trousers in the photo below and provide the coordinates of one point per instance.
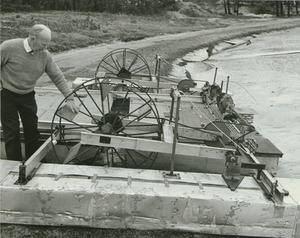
(14, 105)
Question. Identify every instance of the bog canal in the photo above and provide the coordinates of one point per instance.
(264, 80)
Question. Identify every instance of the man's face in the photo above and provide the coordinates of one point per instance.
(41, 41)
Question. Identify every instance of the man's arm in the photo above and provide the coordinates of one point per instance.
(4, 53)
(60, 82)
(4, 58)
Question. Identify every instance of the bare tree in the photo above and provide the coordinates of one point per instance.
(277, 8)
(225, 6)
(281, 9)
(228, 7)
(236, 7)
(74, 4)
(289, 8)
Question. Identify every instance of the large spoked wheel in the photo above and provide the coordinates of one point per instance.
(124, 63)
(119, 109)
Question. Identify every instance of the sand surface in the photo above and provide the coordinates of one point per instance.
(265, 80)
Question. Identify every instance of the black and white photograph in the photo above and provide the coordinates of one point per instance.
(150, 118)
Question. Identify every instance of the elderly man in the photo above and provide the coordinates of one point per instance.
(23, 61)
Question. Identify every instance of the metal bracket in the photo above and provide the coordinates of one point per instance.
(171, 175)
(233, 181)
(232, 175)
(264, 179)
(29, 168)
(22, 180)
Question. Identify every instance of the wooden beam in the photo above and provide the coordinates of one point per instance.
(152, 145)
(158, 97)
(267, 182)
(142, 83)
(168, 133)
(199, 135)
(35, 160)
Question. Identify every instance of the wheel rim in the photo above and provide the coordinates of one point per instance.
(107, 108)
(124, 63)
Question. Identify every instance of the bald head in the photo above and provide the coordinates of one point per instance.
(40, 30)
(39, 37)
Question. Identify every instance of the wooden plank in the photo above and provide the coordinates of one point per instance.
(168, 133)
(159, 97)
(35, 160)
(143, 83)
(152, 145)
(197, 134)
(110, 203)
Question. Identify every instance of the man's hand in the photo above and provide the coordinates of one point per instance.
(70, 103)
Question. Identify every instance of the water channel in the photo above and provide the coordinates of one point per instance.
(264, 80)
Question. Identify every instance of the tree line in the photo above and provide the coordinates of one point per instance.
(112, 6)
(231, 7)
(278, 8)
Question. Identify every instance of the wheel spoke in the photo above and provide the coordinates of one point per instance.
(114, 73)
(139, 69)
(82, 103)
(112, 156)
(81, 153)
(82, 127)
(133, 62)
(120, 157)
(130, 113)
(102, 100)
(131, 157)
(94, 101)
(117, 65)
(124, 58)
(116, 68)
(144, 156)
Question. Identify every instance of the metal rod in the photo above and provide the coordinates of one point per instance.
(139, 69)
(175, 135)
(172, 106)
(109, 65)
(133, 62)
(102, 102)
(158, 72)
(93, 100)
(215, 77)
(221, 86)
(124, 58)
(227, 85)
(117, 66)
(156, 65)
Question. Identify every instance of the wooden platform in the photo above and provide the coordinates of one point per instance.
(110, 197)
(192, 113)
(144, 199)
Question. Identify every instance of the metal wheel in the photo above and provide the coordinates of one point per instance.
(120, 109)
(124, 63)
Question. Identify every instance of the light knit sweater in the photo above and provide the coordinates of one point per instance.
(20, 70)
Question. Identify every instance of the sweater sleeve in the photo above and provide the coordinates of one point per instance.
(4, 52)
(57, 76)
